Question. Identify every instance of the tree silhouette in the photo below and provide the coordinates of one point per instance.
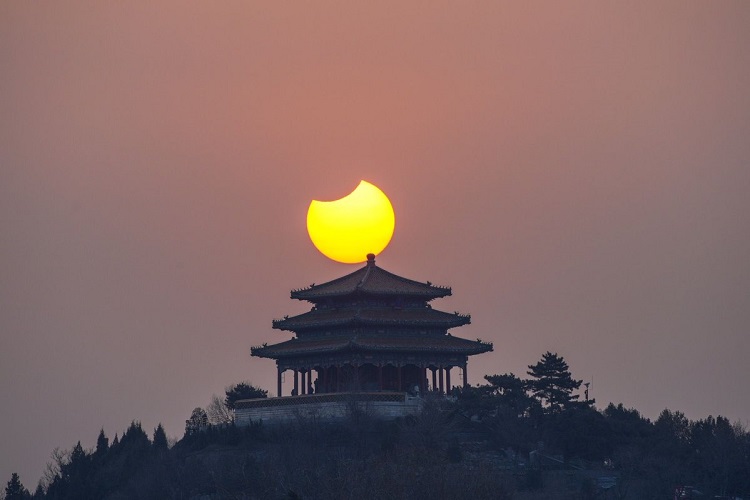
(160, 439)
(552, 383)
(218, 412)
(72, 480)
(198, 420)
(15, 490)
(135, 437)
(510, 393)
(102, 444)
(243, 390)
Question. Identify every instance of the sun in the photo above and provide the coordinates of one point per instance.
(348, 229)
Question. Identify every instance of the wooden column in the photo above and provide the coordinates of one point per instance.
(466, 377)
(447, 379)
(296, 382)
(434, 378)
(278, 381)
(440, 380)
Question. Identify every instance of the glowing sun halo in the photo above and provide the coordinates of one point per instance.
(346, 230)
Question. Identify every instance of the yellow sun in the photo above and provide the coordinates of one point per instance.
(346, 230)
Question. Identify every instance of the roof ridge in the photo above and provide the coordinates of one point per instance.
(409, 280)
(371, 279)
(364, 278)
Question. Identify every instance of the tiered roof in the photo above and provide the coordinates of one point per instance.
(380, 343)
(349, 310)
(374, 281)
(422, 317)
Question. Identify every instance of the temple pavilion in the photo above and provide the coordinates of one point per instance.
(371, 331)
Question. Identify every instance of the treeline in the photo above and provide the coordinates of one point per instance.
(507, 438)
(542, 414)
(80, 473)
(358, 458)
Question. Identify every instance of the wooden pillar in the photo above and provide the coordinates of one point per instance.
(278, 381)
(440, 379)
(466, 377)
(447, 379)
(434, 378)
(296, 382)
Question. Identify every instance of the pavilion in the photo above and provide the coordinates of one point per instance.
(371, 331)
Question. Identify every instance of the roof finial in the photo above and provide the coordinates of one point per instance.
(370, 259)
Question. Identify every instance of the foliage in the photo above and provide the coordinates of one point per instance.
(73, 479)
(15, 490)
(160, 439)
(221, 411)
(198, 420)
(243, 390)
(102, 443)
(552, 384)
(510, 394)
(441, 453)
(578, 432)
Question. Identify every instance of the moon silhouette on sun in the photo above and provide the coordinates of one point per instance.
(348, 229)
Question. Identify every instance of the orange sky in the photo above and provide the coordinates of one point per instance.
(578, 173)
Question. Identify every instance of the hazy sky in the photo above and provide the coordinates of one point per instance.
(579, 173)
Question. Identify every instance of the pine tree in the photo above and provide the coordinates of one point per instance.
(135, 436)
(243, 390)
(552, 383)
(160, 439)
(15, 490)
(510, 392)
(102, 444)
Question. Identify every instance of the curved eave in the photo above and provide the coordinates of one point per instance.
(314, 296)
(319, 320)
(296, 347)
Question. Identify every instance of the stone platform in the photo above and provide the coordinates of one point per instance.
(329, 407)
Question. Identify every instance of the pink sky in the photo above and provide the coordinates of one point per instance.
(577, 172)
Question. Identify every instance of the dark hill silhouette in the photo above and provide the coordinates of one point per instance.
(504, 439)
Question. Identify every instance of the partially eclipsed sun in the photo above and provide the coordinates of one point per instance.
(348, 229)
